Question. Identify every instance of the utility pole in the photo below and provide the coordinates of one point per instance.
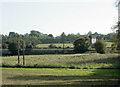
(18, 50)
(23, 51)
(63, 46)
(63, 40)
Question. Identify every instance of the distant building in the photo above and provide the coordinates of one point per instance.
(92, 39)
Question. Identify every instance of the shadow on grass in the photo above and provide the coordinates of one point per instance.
(100, 77)
(53, 77)
(93, 79)
(115, 61)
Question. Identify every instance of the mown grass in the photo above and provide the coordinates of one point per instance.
(66, 45)
(108, 44)
(69, 77)
(78, 61)
(56, 44)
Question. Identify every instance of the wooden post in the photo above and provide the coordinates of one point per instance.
(23, 51)
(18, 50)
(63, 46)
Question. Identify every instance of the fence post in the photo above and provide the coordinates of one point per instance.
(18, 50)
(23, 51)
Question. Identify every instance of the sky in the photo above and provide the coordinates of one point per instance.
(57, 16)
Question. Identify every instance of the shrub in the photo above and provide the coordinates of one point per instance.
(100, 47)
(4, 45)
(81, 45)
(113, 48)
(18, 66)
(12, 46)
(52, 46)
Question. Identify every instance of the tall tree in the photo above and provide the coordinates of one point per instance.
(35, 33)
(118, 36)
(81, 45)
(13, 47)
(63, 38)
(89, 33)
(13, 34)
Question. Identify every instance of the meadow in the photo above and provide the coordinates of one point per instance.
(80, 61)
(56, 44)
(62, 70)
(108, 44)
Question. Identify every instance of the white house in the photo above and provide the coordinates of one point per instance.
(92, 39)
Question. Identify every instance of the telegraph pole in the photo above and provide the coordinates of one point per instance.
(18, 50)
(23, 51)
(63, 46)
(63, 40)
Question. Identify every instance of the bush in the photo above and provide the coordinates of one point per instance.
(12, 46)
(100, 47)
(52, 46)
(4, 45)
(81, 45)
(113, 48)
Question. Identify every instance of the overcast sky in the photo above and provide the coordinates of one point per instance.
(57, 16)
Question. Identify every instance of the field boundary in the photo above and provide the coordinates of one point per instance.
(52, 66)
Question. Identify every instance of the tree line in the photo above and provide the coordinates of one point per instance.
(36, 37)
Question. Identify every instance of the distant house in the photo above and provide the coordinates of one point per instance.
(92, 39)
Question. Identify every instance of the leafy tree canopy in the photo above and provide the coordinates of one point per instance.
(81, 45)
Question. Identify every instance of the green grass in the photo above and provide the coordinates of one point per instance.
(66, 45)
(109, 44)
(80, 61)
(56, 44)
(85, 70)
(69, 77)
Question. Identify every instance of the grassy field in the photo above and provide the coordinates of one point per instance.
(109, 44)
(64, 70)
(62, 77)
(56, 44)
(67, 61)
(66, 45)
